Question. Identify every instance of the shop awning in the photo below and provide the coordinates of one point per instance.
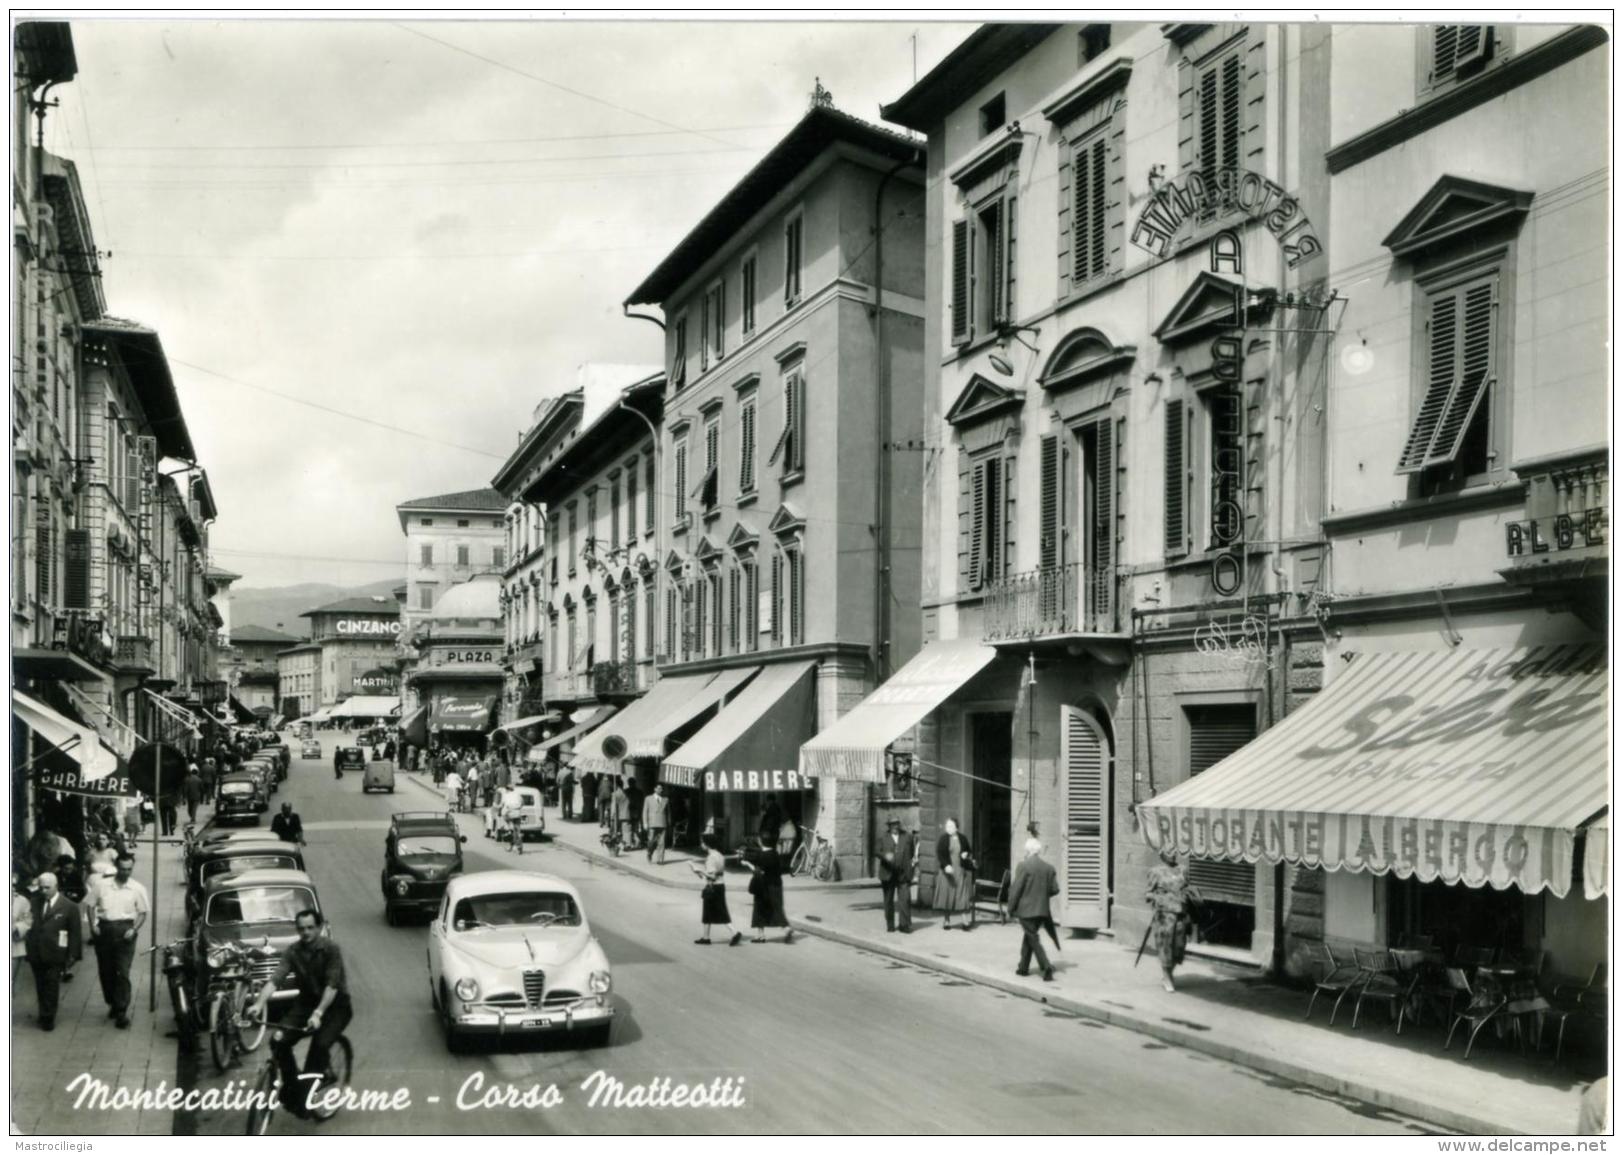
(1598, 857)
(320, 715)
(646, 723)
(550, 718)
(1473, 766)
(242, 713)
(854, 746)
(583, 723)
(367, 706)
(462, 713)
(414, 727)
(78, 743)
(754, 742)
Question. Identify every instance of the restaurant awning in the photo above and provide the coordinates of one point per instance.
(854, 746)
(646, 723)
(583, 723)
(1598, 857)
(367, 706)
(462, 713)
(754, 742)
(1473, 766)
(78, 743)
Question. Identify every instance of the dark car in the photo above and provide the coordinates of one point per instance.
(234, 857)
(349, 758)
(264, 770)
(421, 854)
(241, 798)
(280, 755)
(255, 909)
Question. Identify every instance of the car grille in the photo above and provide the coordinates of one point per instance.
(560, 996)
(263, 968)
(533, 986)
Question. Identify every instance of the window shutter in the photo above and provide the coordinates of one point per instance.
(1445, 40)
(1085, 756)
(1473, 45)
(614, 513)
(648, 497)
(1176, 530)
(777, 599)
(1081, 198)
(1208, 103)
(42, 556)
(704, 332)
(1215, 732)
(992, 534)
(681, 479)
(679, 352)
(732, 609)
(977, 524)
(721, 319)
(1104, 516)
(631, 503)
(1048, 538)
(76, 571)
(712, 446)
(746, 449)
(797, 625)
(960, 281)
(1096, 211)
(992, 221)
(1008, 314)
(1232, 88)
(752, 606)
(1475, 376)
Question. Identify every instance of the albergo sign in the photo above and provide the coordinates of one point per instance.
(1199, 197)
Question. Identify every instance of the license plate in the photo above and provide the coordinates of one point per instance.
(538, 1021)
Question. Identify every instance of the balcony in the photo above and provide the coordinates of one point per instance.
(614, 678)
(1050, 602)
(573, 686)
(134, 655)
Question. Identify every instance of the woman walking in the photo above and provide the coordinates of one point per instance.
(955, 881)
(713, 911)
(22, 921)
(766, 886)
(1170, 895)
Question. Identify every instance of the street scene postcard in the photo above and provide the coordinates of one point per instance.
(887, 574)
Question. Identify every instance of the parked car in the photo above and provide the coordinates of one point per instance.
(349, 758)
(512, 953)
(241, 797)
(235, 856)
(421, 853)
(279, 754)
(255, 908)
(213, 835)
(533, 820)
(264, 770)
(373, 736)
(309, 748)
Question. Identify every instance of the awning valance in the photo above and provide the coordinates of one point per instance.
(1598, 857)
(461, 713)
(367, 706)
(583, 723)
(854, 746)
(1473, 766)
(754, 742)
(73, 741)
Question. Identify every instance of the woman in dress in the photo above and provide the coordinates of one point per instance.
(766, 885)
(713, 911)
(1169, 896)
(22, 921)
(955, 881)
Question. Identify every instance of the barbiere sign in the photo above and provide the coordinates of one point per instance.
(1199, 197)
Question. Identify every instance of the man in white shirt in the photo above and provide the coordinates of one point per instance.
(512, 814)
(453, 789)
(121, 907)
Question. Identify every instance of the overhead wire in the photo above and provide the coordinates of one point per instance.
(168, 166)
(463, 142)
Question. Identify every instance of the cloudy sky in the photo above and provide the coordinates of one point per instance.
(427, 225)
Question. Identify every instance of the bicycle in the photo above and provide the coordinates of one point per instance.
(175, 975)
(231, 996)
(268, 1086)
(815, 856)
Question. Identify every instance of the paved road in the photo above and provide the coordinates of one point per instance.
(820, 1037)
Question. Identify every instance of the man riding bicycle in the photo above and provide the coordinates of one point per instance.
(317, 966)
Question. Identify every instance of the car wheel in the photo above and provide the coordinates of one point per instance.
(455, 1042)
(596, 1037)
(389, 915)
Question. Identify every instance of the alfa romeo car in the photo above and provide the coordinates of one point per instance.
(511, 953)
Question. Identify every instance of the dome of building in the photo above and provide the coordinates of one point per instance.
(476, 600)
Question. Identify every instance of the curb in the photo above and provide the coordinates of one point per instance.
(1199, 1042)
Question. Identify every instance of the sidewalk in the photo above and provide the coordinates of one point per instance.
(1228, 1012)
(85, 1040)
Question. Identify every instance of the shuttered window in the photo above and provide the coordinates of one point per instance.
(733, 593)
(650, 615)
(1177, 481)
(1048, 540)
(679, 351)
(574, 528)
(797, 598)
(1215, 732)
(1457, 48)
(1219, 106)
(1007, 311)
(746, 447)
(1459, 349)
(42, 556)
(985, 521)
(793, 232)
(961, 327)
(76, 570)
(648, 498)
(746, 296)
(777, 599)
(681, 479)
(1090, 255)
(752, 606)
(671, 623)
(1086, 760)
(572, 639)
(1102, 516)
(614, 513)
(790, 448)
(715, 614)
(701, 604)
(631, 502)
(690, 639)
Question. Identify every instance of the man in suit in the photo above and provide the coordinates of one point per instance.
(897, 850)
(52, 944)
(1034, 885)
(656, 816)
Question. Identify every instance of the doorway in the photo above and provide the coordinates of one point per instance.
(991, 808)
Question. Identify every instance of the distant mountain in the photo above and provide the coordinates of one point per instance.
(279, 607)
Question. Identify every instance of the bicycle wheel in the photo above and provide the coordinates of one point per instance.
(224, 1040)
(340, 1063)
(250, 1032)
(825, 869)
(262, 1105)
(797, 861)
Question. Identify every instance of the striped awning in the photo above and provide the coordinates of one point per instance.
(583, 722)
(1598, 857)
(77, 743)
(1473, 766)
(645, 725)
(367, 706)
(753, 744)
(854, 746)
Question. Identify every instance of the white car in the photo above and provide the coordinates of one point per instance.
(511, 953)
(532, 821)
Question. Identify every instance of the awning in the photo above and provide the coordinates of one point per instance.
(754, 742)
(78, 743)
(1473, 766)
(461, 713)
(414, 727)
(854, 746)
(1598, 857)
(320, 715)
(584, 722)
(550, 718)
(242, 713)
(367, 706)
(57, 665)
(646, 723)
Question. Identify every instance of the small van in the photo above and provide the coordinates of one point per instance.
(378, 775)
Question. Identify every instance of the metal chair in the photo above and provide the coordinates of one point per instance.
(1341, 978)
(1384, 981)
(1480, 1008)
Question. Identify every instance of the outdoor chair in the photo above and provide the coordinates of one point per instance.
(1594, 990)
(1384, 981)
(1417, 942)
(993, 897)
(1341, 978)
(1479, 1008)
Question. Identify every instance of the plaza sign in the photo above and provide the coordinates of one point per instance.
(1196, 198)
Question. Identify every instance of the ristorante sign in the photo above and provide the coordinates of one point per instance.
(1201, 196)
(367, 627)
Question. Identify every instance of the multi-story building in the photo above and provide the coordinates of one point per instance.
(457, 677)
(522, 602)
(791, 460)
(255, 674)
(450, 538)
(298, 671)
(357, 636)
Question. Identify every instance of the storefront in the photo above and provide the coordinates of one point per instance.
(460, 714)
(554, 749)
(1452, 796)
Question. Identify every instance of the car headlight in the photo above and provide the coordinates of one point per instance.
(467, 990)
(218, 957)
(601, 982)
(402, 886)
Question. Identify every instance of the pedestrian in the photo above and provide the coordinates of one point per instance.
(771, 819)
(471, 786)
(566, 793)
(22, 921)
(766, 887)
(955, 881)
(586, 797)
(101, 850)
(210, 773)
(634, 799)
(288, 826)
(656, 816)
(605, 800)
(121, 907)
(620, 829)
(53, 942)
(713, 899)
(1170, 896)
(453, 789)
(512, 806)
(1030, 895)
(389, 749)
(897, 850)
(192, 790)
(149, 811)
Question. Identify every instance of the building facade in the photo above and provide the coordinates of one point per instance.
(298, 673)
(255, 677)
(457, 675)
(791, 464)
(356, 637)
(450, 538)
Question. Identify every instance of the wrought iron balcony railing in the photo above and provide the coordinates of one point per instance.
(614, 678)
(1068, 599)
